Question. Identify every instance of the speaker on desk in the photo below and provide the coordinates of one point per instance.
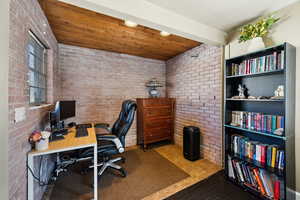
(191, 143)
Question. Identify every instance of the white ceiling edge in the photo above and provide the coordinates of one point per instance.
(281, 5)
(150, 15)
(271, 10)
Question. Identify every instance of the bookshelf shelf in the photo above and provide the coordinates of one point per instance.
(257, 100)
(255, 164)
(269, 68)
(258, 74)
(250, 189)
(256, 132)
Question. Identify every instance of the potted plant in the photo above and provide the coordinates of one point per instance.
(257, 31)
(40, 139)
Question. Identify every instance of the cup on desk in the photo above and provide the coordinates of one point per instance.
(44, 141)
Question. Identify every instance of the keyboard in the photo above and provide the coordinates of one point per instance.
(61, 132)
(81, 132)
(83, 126)
(56, 137)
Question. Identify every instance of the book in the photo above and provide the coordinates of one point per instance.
(273, 161)
(230, 168)
(273, 123)
(266, 63)
(264, 182)
(258, 121)
(258, 153)
(263, 154)
(276, 190)
(282, 60)
(259, 181)
(268, 184)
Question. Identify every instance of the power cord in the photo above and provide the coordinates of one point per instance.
(38, 178)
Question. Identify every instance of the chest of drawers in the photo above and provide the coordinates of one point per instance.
(155, 120)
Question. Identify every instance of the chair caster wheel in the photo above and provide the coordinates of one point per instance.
(84, 172)
(123, 160)
(123, 173)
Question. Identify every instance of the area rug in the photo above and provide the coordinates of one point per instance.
(215, 187)
(147, 173)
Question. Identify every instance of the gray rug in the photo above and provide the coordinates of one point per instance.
(147, 173)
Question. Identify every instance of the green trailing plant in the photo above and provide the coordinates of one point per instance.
(259, 29)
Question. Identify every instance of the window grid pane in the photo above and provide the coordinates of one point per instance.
(37, 78)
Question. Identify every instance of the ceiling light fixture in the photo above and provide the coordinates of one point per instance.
(164, 33)
(130, 23)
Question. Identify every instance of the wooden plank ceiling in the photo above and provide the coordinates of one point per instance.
(81, 27)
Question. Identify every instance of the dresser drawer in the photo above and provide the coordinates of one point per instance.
(158, 112)
(157, 134)
(158, 123)
(158, 102)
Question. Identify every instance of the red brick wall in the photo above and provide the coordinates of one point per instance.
(99, 81)
(27, 15)
(196, 83)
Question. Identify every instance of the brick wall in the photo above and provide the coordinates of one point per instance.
(99, 81)
(196, 84)
(27, 15)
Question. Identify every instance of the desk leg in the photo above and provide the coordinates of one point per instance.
(95, 173)
(30, 183)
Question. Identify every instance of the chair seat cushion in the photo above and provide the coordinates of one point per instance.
(107, 147)
(104, 148)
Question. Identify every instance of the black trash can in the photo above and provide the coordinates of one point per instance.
(191, 143)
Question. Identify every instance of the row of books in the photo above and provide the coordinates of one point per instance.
(267, 63)
(258, 153)
(266, 183)
(258, 122)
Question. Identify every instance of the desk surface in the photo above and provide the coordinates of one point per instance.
(69, 143)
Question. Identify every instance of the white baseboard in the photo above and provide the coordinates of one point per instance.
(291, 194)
(297, 195)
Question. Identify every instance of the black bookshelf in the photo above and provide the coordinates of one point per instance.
(263, 84)
(256, 132)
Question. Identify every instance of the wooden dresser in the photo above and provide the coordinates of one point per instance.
(155, 120)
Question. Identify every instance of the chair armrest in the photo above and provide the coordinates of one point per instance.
(101, 125)
(113, 139)
(105, 136)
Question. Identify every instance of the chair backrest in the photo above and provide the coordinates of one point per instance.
(124, 122)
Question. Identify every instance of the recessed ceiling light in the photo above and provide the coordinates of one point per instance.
(164, 33)
(130, 23)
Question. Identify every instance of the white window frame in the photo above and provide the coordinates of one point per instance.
(34, 85)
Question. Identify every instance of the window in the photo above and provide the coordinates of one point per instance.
(37, 76)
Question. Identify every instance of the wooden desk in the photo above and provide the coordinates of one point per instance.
(69, 143)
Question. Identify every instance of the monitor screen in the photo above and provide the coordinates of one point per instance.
(66, 109)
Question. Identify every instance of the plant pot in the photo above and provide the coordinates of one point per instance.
(42, 144)
(256, 44)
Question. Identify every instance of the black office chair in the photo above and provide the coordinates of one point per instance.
(113, 143)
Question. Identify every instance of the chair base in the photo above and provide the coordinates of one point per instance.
(111, 164)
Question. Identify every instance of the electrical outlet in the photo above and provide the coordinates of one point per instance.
(20, 114)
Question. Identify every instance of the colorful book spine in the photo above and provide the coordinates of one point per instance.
(273, 161)
(276, 190)
(268, 184)
(259, 181)
(272, 62)
(258, 153)
(258, 121)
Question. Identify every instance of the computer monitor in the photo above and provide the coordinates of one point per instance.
(67, 109)
(63, 110)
